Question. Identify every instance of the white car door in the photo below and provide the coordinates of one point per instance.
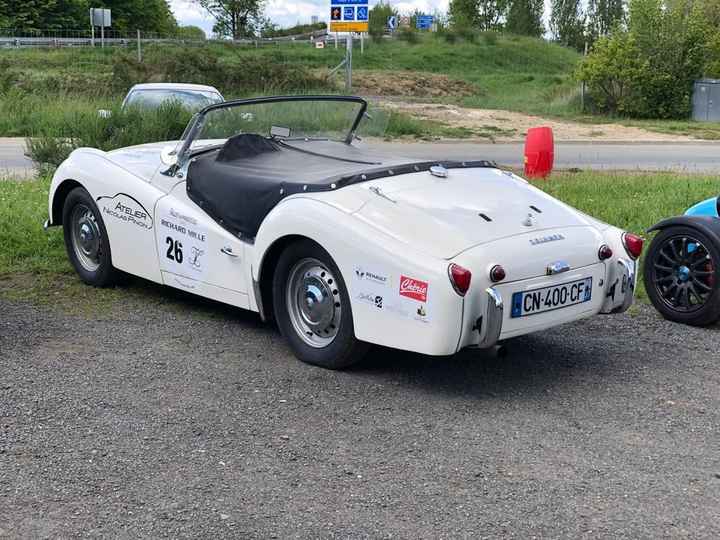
(196, 254)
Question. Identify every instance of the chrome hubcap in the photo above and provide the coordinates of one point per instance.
(313, 302)
(86, 237)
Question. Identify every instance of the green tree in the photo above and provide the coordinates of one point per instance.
(463, 13)
(236, 19)
(491, 13)
(604, 16)
(190, 32)
(377, 19)
(145, 15)
(525, 18)
(567, 23)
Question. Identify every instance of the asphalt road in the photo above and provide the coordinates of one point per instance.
(682, 157)
(167, 416)
(692, 157)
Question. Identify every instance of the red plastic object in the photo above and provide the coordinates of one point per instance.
(539, 152)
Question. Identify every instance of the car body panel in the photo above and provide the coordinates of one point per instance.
(708, 207)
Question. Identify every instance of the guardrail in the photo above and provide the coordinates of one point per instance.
(50, 41)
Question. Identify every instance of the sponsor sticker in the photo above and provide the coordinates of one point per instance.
(182, 244)
(123, 207)
(413, 288)
(377, 278)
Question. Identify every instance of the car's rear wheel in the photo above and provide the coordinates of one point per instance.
(682, 276)
(312, 307)
(86, 240)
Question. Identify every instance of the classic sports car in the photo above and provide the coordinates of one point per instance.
(682, 267)
(267, 204)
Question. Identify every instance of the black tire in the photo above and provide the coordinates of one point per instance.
(671, 266)
(344, 349)
(94, 266)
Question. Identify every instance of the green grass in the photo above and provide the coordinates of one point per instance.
(33, 264)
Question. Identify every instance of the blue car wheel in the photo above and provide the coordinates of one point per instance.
(682, 276)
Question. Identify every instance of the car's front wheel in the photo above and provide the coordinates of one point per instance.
(312, 307)
(86, 240)
(682, 276)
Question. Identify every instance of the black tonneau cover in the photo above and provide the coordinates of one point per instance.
(240, 183)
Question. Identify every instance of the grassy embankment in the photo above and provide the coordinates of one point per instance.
(41, 89)
(33, 264)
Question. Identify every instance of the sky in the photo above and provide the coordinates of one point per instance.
(289, 12)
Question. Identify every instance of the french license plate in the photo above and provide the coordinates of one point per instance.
(526, 303)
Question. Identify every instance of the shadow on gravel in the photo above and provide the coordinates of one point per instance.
(534, 364)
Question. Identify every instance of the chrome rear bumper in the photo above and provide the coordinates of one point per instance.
(490, 324)
(621, 293)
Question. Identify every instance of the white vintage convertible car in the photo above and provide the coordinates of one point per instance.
(269, 205)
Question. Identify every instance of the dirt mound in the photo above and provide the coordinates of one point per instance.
(507, 126)
(413, 84)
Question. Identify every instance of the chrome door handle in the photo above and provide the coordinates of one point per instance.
(227, 250)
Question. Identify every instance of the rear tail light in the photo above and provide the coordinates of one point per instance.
(605, 252)
(633, 244)
(460, 278)
(497, 273)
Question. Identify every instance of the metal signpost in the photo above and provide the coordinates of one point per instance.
(348, 16)
(102, 18)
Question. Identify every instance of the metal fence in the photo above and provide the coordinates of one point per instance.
(20, 38)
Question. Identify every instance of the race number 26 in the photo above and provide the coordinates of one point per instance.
(174, 251)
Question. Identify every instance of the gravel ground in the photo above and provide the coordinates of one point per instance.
(161, 420)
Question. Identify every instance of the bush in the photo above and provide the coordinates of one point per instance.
(448, 35)
(466, 33)
(490, 38)
(612, 73)
(130, 127)
(648, 70)
(409, 34)
(231, 73)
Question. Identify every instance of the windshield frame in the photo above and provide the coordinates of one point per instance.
(196, 123)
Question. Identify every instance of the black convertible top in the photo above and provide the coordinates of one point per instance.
(240, 183)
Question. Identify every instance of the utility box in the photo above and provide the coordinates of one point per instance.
(706, 100)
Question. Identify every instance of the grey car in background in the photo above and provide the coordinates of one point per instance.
(194, 97)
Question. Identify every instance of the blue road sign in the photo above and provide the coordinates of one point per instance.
(349, 13)
(347, 2)
(392, 22)
(424, 22)
(362, 13)
(335, 13)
